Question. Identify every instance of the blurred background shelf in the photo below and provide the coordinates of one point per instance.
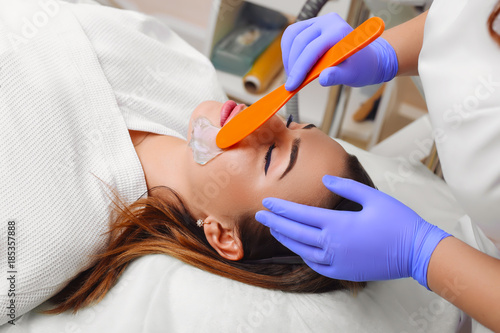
(202, 23)
(293, 7)
(313, 98)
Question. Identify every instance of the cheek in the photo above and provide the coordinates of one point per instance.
(227, 184)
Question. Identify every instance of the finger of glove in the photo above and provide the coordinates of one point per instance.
(340, 74)
(312, 216)
(350, 189)
(291, 229)
(308, 58)
(300, 43)
(306, 252)
(333, 76)
(288, 37)
(337, 272)
(326, 270)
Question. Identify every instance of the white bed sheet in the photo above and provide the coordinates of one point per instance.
(158, 293)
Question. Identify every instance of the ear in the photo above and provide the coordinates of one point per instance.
(224, 240)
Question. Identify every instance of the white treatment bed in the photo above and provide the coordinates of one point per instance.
(157, 293)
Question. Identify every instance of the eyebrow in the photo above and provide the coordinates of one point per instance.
(294, 152)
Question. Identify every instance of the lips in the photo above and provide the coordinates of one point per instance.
(229, 110)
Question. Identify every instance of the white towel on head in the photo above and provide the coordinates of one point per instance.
(66, 103)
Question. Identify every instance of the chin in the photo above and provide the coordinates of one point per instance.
(208, 109)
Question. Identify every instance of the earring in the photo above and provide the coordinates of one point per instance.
(200, 223)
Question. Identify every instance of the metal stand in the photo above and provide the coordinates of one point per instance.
(339, 95)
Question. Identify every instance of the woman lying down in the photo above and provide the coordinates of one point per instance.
(204, 214)
(143, 91)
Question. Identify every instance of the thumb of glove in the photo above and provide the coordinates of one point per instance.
(335, 75)
(349, 189)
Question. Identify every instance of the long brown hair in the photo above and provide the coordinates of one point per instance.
(161, 224)
(494, 14)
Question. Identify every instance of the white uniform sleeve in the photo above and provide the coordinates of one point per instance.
(460, 69)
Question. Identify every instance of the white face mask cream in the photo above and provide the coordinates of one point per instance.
(203, 141)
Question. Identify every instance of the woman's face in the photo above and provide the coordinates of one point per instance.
(235, 182)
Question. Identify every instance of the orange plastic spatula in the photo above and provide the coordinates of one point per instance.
(259, 112)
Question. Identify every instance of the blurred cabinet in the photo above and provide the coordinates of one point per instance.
(313, 98)
(402, 101)
(400, 104)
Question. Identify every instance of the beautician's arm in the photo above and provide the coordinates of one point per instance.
(406, 39)
(386, 240)
(467, 278)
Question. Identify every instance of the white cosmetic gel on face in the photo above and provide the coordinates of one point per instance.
(203, 141)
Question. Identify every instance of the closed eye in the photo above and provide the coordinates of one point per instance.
(268, 157)
(270, 150)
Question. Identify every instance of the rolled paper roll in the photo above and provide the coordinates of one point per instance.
(265, 68)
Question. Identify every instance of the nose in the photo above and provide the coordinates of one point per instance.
(271, 131)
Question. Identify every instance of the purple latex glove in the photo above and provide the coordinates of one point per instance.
(304, 42)
(385, 240)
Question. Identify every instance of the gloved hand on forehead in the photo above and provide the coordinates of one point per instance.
(385, 240)
(304, 42)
